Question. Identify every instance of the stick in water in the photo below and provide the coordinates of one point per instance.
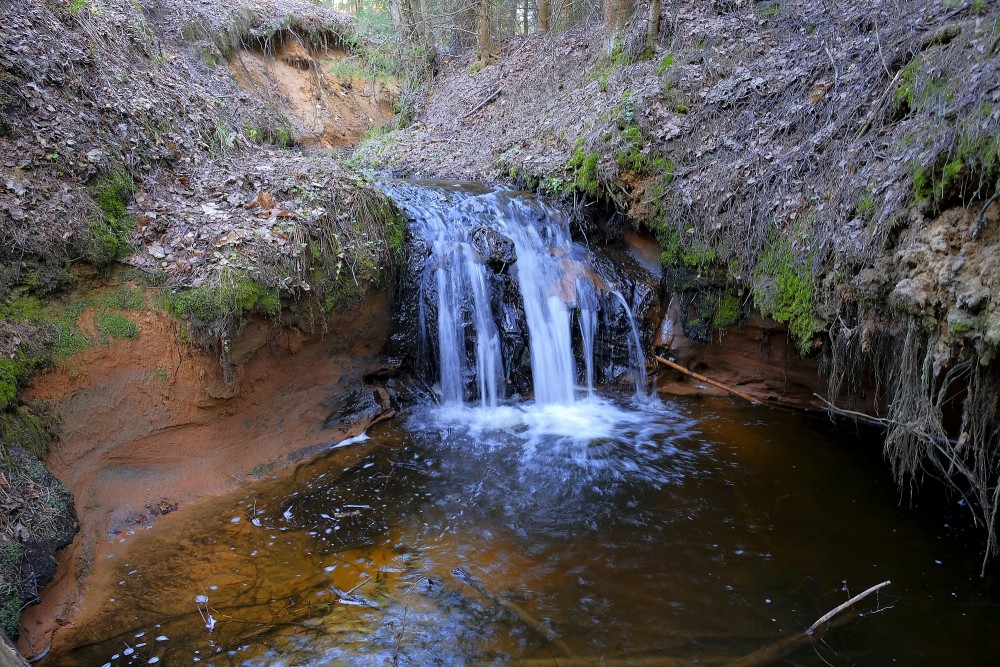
(836, 610)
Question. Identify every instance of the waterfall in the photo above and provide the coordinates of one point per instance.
(636, 357)
(501, 288)
(588, 327)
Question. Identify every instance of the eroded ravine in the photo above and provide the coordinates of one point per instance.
(491, 525)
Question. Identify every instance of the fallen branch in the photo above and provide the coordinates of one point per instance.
(479, 106)
(702, 378)
(980, 223)
(878, 421)
(781, 649)
(839, 608)
(548, 633)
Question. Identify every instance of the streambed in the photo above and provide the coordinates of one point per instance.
(700, 529)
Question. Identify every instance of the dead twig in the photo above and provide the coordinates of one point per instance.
(702, 378)
(779, 650)
(980, 223)
(479, 106)
(841, 607)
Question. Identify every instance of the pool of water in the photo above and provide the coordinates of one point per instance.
(682, 532)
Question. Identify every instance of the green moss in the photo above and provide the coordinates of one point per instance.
(553, 185)
(236, 294)
(123, 298)
(727, 313)
(10, 611)
(70, 339)
(583, 165)
(632, 157)
(866, 207)
(670, 240)
(665, 63)
(111, 230)
(959, 327)
(8, 382)
(696, 255)
(914, 91)
(906, 91)
(794, 303)
(394, 230)
(980, 155)
(112, 325)
(23, 428)
(25, 308)
(923, 188)
(950, 173)
(11, 553)
(975, 164)
(252, 296)
(604, 67)
(783, 288)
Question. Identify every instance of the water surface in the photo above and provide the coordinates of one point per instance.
(700, 529)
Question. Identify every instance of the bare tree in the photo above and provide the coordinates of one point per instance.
(653, 34)
(616, 16)
(483, 28)
(544, 15)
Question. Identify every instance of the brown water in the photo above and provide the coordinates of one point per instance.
(702, 530)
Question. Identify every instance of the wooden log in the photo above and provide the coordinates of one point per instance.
(702, 378)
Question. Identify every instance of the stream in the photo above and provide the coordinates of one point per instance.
(701, 529)
(542, 504)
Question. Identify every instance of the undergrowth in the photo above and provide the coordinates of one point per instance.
(112, 228)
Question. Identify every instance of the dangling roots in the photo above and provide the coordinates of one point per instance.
(923, 403)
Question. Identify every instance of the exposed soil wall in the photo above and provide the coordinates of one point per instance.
(150, 426)
(323, 91)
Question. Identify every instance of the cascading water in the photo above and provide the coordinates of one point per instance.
(497, 265)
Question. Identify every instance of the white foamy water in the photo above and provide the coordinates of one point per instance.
(556, 284)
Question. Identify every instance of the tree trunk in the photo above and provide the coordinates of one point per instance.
(525, 13)
(483, 33)
(616, 15)
(509, 20)
(544, 15)
(653, 36)
(564, 18)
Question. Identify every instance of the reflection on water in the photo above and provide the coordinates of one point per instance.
(701, 530)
